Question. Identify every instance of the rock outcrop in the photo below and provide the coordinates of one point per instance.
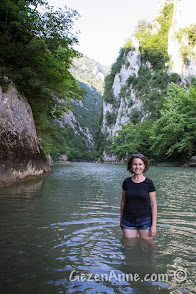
(133, 59)
(191, 163)
(183, 17)
(21, 156)
(63, 158)
(80, 130)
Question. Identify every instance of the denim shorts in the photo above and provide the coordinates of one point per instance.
(137, 223)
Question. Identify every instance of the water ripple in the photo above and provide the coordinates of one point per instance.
(70, 221)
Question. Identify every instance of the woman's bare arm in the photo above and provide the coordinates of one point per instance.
(122, 204)
(153, 203)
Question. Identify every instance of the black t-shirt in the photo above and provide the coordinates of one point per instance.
(137, 202)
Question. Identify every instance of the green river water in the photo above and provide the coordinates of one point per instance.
(61, 234)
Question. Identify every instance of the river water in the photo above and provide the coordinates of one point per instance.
(61, 234)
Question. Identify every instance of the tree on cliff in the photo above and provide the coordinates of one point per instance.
(36, 52)
(132, 138)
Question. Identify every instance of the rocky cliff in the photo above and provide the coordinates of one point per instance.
(21, 157)
(130, 67)
(181, 49)
(157, 54)
(90, 72)
(85, 115)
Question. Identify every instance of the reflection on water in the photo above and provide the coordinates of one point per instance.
(61, 234)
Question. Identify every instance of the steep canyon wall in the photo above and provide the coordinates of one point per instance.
(126, 102)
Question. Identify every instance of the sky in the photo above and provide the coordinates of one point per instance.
(106, 25)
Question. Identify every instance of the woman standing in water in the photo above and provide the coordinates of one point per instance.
(138, 203)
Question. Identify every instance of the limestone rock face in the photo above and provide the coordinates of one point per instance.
(133, 64)
(110, 158)
(71, 120)
(183, 17)
(133, 60)
(21, 156)
(63, 158)
(191, 163)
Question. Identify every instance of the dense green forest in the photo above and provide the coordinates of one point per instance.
(36, 49)
(90, 72)
(164, 127)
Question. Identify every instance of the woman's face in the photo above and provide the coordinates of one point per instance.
(138, 166)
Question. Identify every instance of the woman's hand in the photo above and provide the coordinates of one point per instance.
(121, 225)
(152, 231)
